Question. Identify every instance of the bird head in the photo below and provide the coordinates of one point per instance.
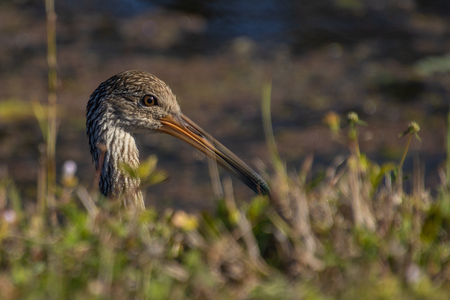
(136, 101)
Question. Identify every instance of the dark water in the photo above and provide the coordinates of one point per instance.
(348, 55)
(300, 25)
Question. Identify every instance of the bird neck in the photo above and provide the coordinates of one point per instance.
(114, 181)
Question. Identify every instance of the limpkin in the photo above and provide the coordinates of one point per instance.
(136, 101)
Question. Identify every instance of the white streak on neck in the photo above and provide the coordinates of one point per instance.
(114, 182)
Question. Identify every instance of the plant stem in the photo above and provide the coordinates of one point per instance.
(353, 135)
(400, 165)
(52, 84)
(448, 150)
(267, 123)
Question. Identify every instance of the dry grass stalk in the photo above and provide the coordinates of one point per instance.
(244, 227)
(52, 85)
(87, 201)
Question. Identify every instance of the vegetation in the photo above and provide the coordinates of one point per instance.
(351, 233)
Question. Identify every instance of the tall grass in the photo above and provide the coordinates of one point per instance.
(342, 237)
(47, 119)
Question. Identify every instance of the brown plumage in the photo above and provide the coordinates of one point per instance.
(136, 101)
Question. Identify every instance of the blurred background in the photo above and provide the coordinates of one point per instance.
(387, 60)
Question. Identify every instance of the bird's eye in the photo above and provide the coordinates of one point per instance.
(149, 100)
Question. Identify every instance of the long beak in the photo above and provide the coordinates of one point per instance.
(183, 128)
